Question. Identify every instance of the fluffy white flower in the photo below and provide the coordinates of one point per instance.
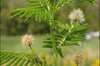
(77, 14)
(27, 40)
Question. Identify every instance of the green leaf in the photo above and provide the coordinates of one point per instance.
(15, 10)
(47, 46)
(50, 42)
(79, 29)
(60, 52)
(68, 43)
(74, 38)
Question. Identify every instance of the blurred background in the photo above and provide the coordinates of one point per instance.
(13, 29)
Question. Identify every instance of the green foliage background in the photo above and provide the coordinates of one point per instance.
(16, 26)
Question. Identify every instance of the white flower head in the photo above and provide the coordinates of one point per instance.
(78, 15)
(27, 40)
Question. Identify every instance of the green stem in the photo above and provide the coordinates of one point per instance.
(53, 45)
(31, 48)
(35, 56)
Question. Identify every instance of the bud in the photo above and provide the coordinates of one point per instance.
(78, 58)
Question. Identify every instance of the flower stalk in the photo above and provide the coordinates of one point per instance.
(31, 49)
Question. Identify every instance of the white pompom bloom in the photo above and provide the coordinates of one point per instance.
(27, 40)
(77, 14)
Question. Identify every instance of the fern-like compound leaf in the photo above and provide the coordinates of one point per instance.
(36, 8)
(18, 59)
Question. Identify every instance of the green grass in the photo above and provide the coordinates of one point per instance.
(13, 44)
